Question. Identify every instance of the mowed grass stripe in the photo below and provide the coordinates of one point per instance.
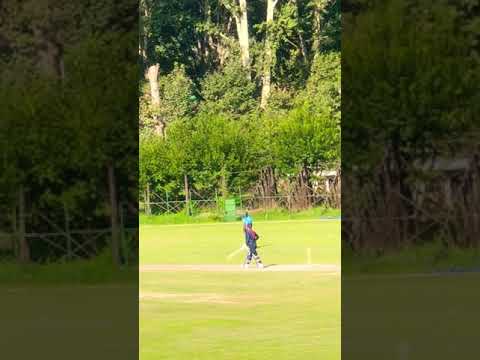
(279, 243)
(272, 315)
(239, 223)
(231, 315)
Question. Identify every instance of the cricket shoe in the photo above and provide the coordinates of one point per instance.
(245, 266)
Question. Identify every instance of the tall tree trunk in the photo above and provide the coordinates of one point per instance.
(115, 242)
(50, 54)
(207, 38)
(303, 46)
(319, 5)
(267, 67)
(152, 76)
(239, 12)
(243, 36)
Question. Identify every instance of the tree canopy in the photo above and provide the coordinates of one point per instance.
(240, 87)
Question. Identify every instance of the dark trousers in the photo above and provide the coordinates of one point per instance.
(252, 251)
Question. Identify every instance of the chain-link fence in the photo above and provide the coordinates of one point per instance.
(253, 203)
(441, 203)
(300, 192)
(61, 234)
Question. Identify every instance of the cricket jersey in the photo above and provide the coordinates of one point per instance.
(247, 220)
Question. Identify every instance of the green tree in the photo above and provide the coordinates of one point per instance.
(323, 88)
(229, 91)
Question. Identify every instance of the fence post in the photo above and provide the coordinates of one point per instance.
(264, 205)
(289, 200)
(216, 202)
(24, 251)
(187, 195)
(15, 231)
(67, 231)
(240, 196)
(168, 206)
(114, 243)
(122, 235)
(148, 210)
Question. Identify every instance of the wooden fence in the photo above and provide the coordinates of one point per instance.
(163, 205)
(20, 239)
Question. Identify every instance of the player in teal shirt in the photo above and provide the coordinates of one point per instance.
(250, 241)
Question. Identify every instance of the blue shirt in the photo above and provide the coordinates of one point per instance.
(247, 220)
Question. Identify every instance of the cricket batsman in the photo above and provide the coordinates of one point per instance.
(251, 238)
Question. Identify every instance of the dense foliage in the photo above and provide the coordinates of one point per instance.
(222, 123)
(68, 115)
(410, 79)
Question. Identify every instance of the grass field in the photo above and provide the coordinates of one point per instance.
(63, 306)
(69, 321)
(410, 316)
(211, 217)
(244, 314)
(282, 242)
(414, 303)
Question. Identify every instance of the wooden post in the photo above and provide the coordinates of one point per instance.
(148, 210)
(289, 199)
(67, 232)
(24, 251)
(15, 230)
(114, 244)
(168, 206)
(240, 196)
(122, 235)
(187, 195)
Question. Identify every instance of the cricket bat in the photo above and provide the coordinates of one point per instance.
(232, 254)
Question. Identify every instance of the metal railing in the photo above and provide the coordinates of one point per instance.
(253, 203)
